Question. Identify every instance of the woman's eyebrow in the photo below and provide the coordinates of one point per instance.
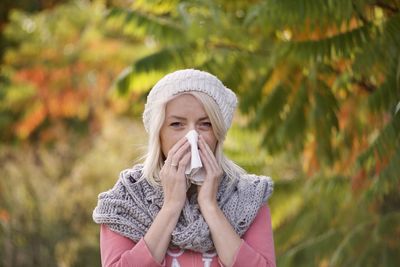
(204, 118)
(183, 118)
(176, 117)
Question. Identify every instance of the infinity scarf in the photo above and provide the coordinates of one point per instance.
(130, 207)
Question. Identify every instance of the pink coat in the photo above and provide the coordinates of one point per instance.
(256, 249)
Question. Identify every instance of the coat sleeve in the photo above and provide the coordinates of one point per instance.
(257, 248)
(119, 251)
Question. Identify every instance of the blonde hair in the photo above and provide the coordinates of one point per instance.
(154, 158)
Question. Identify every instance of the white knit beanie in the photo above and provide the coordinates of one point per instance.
(189, 80)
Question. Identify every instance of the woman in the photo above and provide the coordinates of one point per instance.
(157, 214)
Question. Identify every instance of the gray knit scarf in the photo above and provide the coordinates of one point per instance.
(130, 207)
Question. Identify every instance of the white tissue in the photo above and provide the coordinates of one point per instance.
(195, 171)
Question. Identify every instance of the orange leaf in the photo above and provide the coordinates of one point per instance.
(31, 121)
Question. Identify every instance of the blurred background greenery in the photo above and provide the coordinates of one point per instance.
(319, 89)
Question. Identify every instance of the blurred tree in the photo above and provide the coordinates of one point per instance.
(318, 79)
(27, 5)
(54, 83)
(56, 77)
(47, 195)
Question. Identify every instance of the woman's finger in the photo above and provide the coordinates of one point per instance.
(206, 161)
(176, 157)
(183, 163)
(176, 147)
(208, 153)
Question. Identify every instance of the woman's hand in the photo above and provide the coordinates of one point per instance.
(225, 239)
(173, 183)
(172, 175)
(207, 192)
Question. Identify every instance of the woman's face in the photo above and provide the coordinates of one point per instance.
(182, 114)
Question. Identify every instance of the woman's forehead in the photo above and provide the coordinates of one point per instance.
(184, 101)
(184, 106)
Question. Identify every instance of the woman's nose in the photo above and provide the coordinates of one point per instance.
(191, 127)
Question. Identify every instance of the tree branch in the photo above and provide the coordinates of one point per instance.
(387, 6)
(359, 14)
(365, 85)
(362, 83)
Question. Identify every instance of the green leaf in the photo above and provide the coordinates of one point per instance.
(342, 45)
(141, 23)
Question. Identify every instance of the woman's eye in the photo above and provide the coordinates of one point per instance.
(175, 124)
(206, 124)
